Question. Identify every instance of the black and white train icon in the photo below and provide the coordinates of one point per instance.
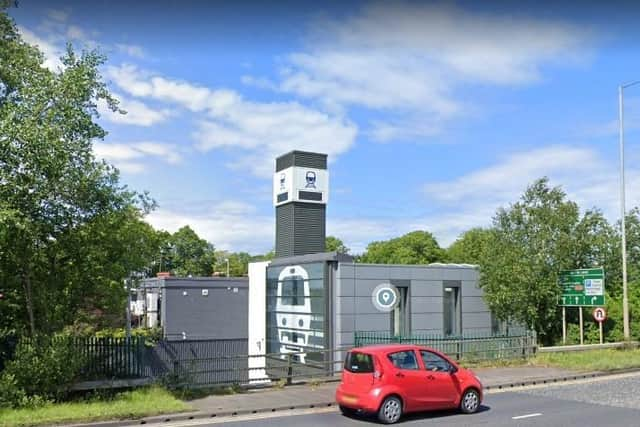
(293, 311)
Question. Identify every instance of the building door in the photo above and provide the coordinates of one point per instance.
(451, 309)
(400, 314)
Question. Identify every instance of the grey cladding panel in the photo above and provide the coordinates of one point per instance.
(302, 159)
(373, 322)
(346, 270)
(426, 288)
(474, 305)
(222, 314)
(476, 320)
(427, 321)
(300, 229)
(345, 287)
(401, 272)
(471, 288)
(426, 304)
(378, 272)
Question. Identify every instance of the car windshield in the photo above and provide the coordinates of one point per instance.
(358, 363)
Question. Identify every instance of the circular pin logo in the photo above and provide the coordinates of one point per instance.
(385, 297)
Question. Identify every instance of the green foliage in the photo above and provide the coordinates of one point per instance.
(333, 244)
(471, 247)
(534, 239)
(184, 253)
(137, 403)
(417, 247)
(69, 232)
(42, 370)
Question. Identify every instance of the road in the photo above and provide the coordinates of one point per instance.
(598, 402)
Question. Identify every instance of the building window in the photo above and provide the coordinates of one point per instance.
(293, 292)
(451, 309)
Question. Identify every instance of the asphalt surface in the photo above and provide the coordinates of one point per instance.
(599, 402)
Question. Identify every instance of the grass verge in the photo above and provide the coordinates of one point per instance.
(588, 360)
(592, 360)
(131, 404)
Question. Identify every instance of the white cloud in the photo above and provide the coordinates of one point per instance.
(229, 225)
(132, 50)
(137, 112)
(259, 130)
(58, 15)
(76, 33)
(130, 157)
(587, 178)
(51, 52)
(408, 60)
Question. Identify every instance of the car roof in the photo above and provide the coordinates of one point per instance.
(389, 348)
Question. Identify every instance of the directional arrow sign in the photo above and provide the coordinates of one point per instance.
(583, 287)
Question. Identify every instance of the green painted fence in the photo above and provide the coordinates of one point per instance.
(466, 347)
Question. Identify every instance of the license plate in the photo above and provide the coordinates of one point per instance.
(349, 399)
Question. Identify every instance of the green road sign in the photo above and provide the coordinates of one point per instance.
(584, 287)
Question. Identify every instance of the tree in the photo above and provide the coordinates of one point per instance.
(471, 247)
(533, 240)
(417, 247)
(333, 244)
(51, 186)
(190, 255)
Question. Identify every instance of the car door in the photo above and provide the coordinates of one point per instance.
(443, 385)
(410, 378)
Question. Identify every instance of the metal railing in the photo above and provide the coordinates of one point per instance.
(463, 347)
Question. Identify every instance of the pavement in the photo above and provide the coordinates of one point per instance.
(313, 396)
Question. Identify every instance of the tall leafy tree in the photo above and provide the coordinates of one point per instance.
(333, 244)
(471, 247)
(51, 186)
(533, 240)
(188, 254)
(417, 247)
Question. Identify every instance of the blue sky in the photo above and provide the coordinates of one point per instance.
(433, 114)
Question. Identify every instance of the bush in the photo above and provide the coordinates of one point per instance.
(42, 370)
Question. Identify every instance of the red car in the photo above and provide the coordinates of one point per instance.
(390, 380)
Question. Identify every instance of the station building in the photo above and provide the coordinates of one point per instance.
(307, 299)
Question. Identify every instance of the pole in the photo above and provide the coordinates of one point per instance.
(564, 325)
(600, 332)
(128, 325)
(581, 327)
(227, 260)
(625, 298)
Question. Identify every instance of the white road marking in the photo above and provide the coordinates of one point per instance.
(520, 417)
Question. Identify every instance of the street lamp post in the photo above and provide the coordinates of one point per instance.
(625, 297)
(227, 261)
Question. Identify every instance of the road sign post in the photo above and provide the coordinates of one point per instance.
(600, 315)
(564, 325)
(580, 288)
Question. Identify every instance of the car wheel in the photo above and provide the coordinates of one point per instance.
(349, 412)
(390, 410)
(470, 401)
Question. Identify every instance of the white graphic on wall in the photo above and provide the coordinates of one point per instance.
(311, 179)
(293, 312)
(385, 297)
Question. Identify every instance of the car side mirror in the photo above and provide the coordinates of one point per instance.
(452, 369)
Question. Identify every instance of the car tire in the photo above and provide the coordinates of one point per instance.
(346, 411)
(470, 401)
(390, 411)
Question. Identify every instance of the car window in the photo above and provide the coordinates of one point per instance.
(358, 363)
(433, 362)
(404, 359)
